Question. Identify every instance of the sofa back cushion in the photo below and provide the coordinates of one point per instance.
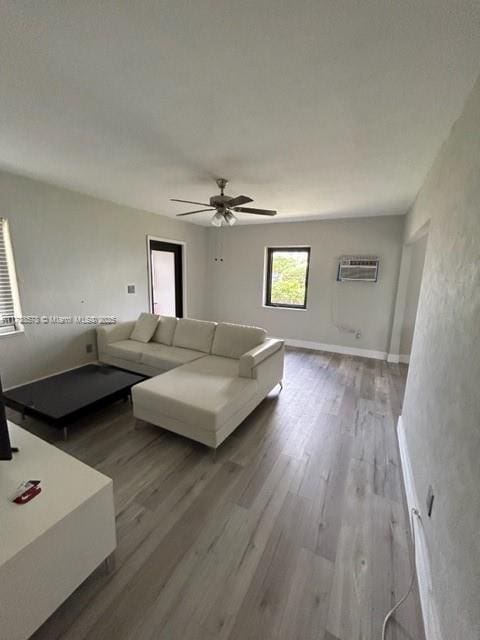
(145, 327)
(165, 330)
(194, 334)
(233, 340)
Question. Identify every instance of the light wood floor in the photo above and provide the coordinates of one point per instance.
(297, 531)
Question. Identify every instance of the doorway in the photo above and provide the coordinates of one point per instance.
(165, 260)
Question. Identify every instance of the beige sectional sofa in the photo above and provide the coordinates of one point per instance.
(206, 377)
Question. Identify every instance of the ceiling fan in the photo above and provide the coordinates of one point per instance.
(224, 206)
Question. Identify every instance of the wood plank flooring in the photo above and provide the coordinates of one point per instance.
(297, 531)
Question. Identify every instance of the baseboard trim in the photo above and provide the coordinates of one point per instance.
(336, 348)
(404, 358)
(49, 375)
(422, 560)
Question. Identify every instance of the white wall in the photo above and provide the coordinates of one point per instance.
(417, 259)
(74, 256)
(237, 283)
(441, 412)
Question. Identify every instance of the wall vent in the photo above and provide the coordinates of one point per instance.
(358, 269)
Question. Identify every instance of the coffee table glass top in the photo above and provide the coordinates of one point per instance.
(64, 394)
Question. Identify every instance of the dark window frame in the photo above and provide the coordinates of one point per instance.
(268, 279)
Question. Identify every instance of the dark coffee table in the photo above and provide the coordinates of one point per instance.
(64, 397)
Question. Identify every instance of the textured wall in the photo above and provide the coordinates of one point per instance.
(417, 260)
(237, 282)
(442, 403)
(74, 256)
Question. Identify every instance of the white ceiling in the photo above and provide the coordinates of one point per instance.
(315, 108)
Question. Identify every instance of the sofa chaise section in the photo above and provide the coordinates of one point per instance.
(207, 399)
(201, 400)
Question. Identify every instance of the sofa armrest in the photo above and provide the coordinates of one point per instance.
(113, 333)
(248, 361)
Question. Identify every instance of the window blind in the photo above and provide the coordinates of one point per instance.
(7, 301)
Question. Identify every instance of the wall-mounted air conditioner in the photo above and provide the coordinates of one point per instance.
(358, 269)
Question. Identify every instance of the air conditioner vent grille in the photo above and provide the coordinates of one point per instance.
(358, 269)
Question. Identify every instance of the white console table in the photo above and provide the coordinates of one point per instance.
(50, 545)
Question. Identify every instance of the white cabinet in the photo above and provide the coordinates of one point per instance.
(50, 545)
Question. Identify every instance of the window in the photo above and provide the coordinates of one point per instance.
(9, 303)
(287, 277)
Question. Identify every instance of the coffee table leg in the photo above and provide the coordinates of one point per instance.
(65, 433)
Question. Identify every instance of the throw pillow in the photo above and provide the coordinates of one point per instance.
(145, 327)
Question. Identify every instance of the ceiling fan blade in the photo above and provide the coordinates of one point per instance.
(258, 212)
(234, 202)
(204, 204)
(189, 213)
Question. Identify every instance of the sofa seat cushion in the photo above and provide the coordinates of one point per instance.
(233, 340)
(204, 393)
(163, 357)
(194, 334)
(126, 350)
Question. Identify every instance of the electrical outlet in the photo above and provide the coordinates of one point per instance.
(130, 288)
(429, 501)
(358, 334)
(89, 348)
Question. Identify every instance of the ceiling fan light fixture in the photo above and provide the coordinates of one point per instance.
(225, 206)
(217, 220)
(230, 219)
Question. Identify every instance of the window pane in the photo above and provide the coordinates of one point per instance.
(8, 307)
(288, 277)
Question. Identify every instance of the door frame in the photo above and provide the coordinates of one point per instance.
(184, 271)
